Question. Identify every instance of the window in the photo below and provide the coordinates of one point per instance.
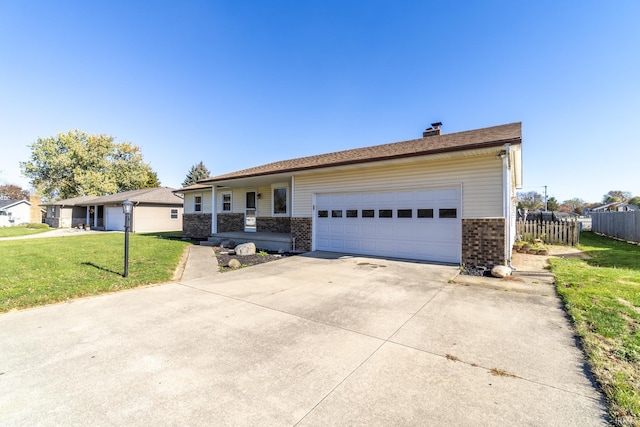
(323, 214)
(279, 200)
(226, 201)
(405, 213)
(174, 213)
(352, 213)
(368, 213)
(385, 213)
(448, 213)
(425, 213)
(197, 203)
(336, 214)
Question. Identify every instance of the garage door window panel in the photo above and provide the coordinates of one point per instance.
(385, 213)
(323, 214)
(448, 213)
(425, 213)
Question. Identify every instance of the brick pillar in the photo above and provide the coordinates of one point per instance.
(484, 242)
(301, 231)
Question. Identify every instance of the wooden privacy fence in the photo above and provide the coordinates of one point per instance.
(551, 232)
(621, 225)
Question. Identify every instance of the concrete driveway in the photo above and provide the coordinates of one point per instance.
(306, 341)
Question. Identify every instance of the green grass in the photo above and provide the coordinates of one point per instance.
(602, 295)
(35, 272)
(23, 230)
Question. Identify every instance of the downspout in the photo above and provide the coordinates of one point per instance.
(506, 182)
(214, 210)
(291, 200)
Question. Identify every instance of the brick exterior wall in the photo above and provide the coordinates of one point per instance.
(483, 242)
(301, 231)
(196, 226)
(274, 225)
(230, 222)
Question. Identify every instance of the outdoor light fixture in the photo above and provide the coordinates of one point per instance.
(502, 154)
(127, 208)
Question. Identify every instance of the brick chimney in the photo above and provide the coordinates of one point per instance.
(433, 130)
(35, 212)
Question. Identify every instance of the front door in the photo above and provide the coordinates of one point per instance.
(250, 212)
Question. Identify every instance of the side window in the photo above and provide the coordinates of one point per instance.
(174, 213)
(197, 203)
(279, 200)
(226, 201)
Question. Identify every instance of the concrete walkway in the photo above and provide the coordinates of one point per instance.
(307, 340)
(200, 262)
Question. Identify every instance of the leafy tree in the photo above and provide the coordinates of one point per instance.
(196, 173)
(76, 164)
(616, 196)
(552, 204)
(573, 205)
(634, 201)
(13, 192)
(152, 180)
(530, 201)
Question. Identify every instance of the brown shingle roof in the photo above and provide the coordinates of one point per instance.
(479, 138)
(158, 195)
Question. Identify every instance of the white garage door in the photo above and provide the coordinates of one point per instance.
(115, 219)
(417, 224)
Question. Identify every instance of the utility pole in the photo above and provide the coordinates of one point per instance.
(545, 199)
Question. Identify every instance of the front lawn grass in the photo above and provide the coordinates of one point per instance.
(42, 271)
(602, 295)
(23, 230)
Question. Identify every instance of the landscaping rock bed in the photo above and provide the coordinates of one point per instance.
(225, 255)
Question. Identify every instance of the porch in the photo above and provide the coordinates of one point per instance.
(281, 242)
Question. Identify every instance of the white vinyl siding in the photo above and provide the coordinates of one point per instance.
(155, 218)
(479, 176)
(189, 202)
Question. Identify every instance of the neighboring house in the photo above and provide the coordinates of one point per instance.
(448, 198)
(14, 212)
(615, 207)
(154, 209)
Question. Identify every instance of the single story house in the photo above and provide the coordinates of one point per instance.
(14, 212)
(443, 197)
(615, 207)
(154, 209)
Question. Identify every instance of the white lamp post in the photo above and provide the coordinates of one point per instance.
(127, 208)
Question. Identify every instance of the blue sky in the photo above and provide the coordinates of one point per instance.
(240, 83)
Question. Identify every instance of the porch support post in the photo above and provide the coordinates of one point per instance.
(88, 216)
(95, 217)
(214, 209)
